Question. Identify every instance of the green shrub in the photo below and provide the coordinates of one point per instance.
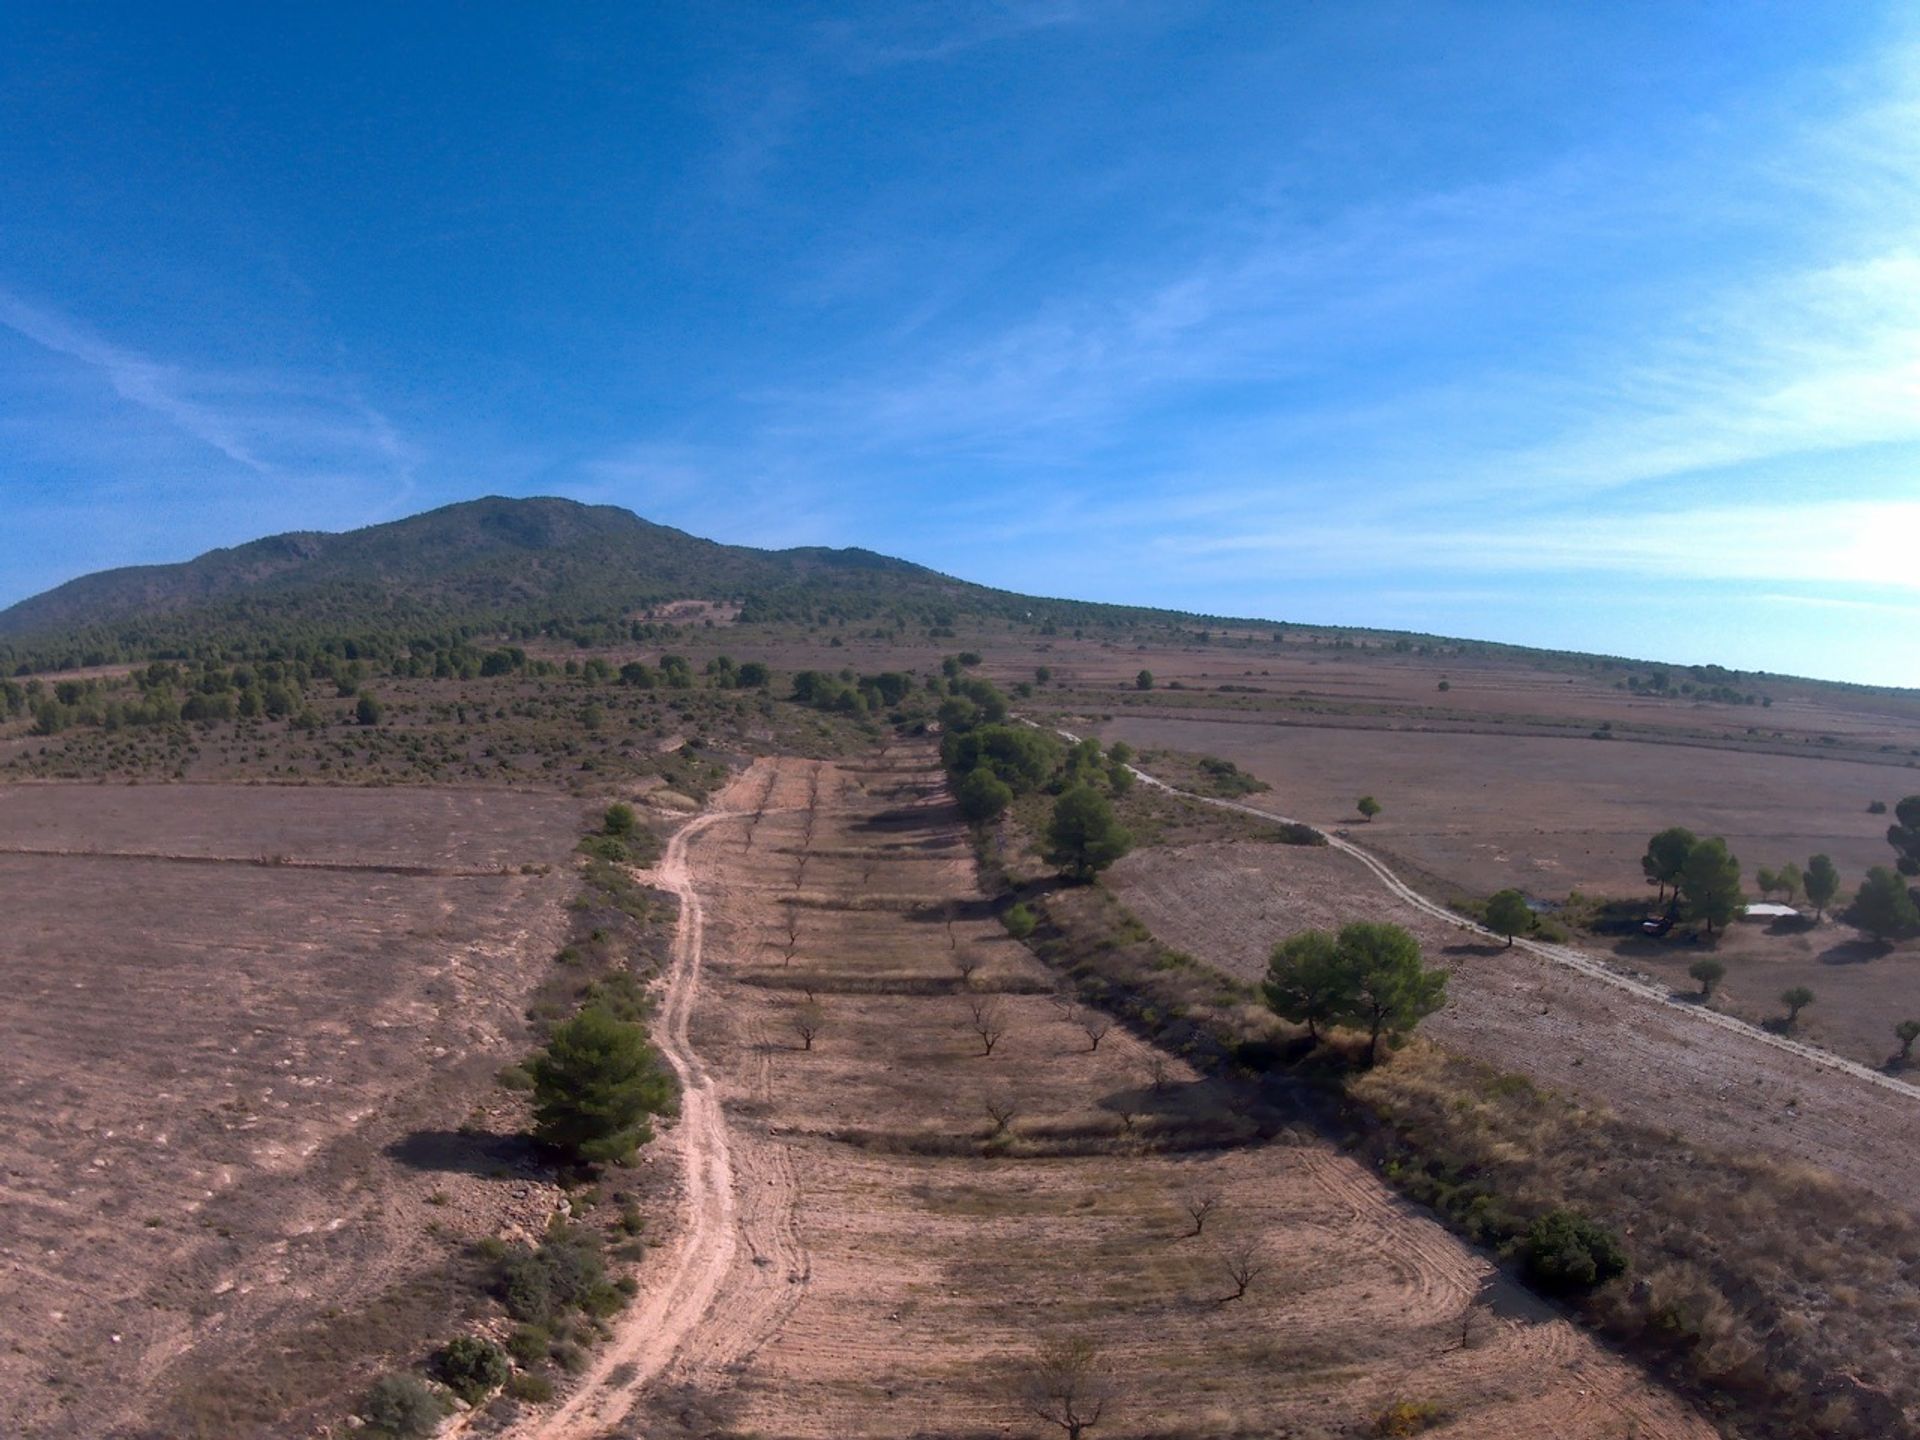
(528, 1344)
(539, 1286)
(401, 1407)
(1020, 921)
(1568, 1254)
(472, 1367)
(534, 1389)
(1407, 1417)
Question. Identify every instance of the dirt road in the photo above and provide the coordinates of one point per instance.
(736, 1267)
(858, 1257)
(681, 1292)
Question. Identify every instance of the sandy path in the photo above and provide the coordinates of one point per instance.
(684, 1296)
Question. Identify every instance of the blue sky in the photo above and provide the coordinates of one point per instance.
(1585, 326)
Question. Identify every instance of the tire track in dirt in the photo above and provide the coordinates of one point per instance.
(1565, 956)
(685, 1305)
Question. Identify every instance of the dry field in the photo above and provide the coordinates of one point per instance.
(230, 1090)
(1547, 815)
(1228, 904)
(909, 1215)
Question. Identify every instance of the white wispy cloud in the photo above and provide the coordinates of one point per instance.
(278, 428)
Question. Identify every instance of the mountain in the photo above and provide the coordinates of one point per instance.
(490, 564)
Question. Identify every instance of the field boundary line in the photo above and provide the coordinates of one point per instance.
(1566, 956)
(266, 862)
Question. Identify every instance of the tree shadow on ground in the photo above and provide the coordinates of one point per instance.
(1855, 952)
(1791, 925)
(485, 1153)
(1505, 1298)
(1481, 948)
(924, 819)
(1647, 947)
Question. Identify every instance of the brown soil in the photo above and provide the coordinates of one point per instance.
(889, 1260)
(1548, 815)
(1655, 1063)
(232, 1092)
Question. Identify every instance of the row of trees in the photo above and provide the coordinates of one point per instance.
(1705, 879)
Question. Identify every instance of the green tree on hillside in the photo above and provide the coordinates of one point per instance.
(983, 795)
(1369, 977)
(369, 711)
(1787, 880)
(1144, 680)
(1904, 835)
(1883, 908)
(1709, 884)
(595, 1087)
(1309, 982)
(1666, 857)
(1709, 972)
(1796, 1000)
(1823, 883)
(1368, 807)
(1393, 992)
(1509, 914)
(1083, 837)
(1906, 1032)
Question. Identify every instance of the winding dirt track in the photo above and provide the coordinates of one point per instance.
(679, 1298)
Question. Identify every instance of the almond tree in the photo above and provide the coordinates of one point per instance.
(1066, 1385)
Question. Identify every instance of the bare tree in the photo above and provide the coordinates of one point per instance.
(1095, 1024)
(808, 1020)
(952, 913)
(1243, 1266)
(1200, 1207)
(1063, 1001)
(988, 1021)
(966, 962)
(1158, 1075)
(1066, 1385)
(793, 928)
(1002, 1109)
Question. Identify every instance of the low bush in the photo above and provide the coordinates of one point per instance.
(472, 1367)
(528, 1344)
(533, 1389)
(1568, 1254)
(401, 1407)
